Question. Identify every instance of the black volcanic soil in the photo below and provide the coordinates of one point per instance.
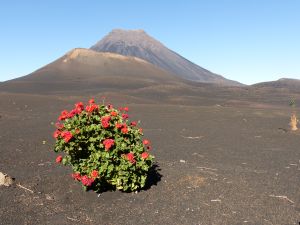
(220, 161)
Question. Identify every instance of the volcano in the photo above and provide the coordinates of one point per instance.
(138, 43)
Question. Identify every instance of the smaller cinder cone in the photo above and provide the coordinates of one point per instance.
(294, 122)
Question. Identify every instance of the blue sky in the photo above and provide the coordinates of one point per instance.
(249, 41)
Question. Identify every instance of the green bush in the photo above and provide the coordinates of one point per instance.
(103, 147)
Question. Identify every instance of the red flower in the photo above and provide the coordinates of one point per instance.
(145, 155)
(79, 106)
(59, 126)
(130, 157)
(72, 113)
(86, 181)
(108, 143)
(56, 134)
(110, 106)
(125, 116)
(149, 147)
(58, 159)
(91, 101)
(95, 107)
(146, 142)
(141, 131)
(94, 174)
(76, 176)
(105, 124)
(105, 121)
(67, 135)
(133, 123)
(124, 130)
(88, 108)
(64, 115)
(91, 108)
(106, 118)
(126, 109)
(113, 113)
(119, 126)
(77, 131)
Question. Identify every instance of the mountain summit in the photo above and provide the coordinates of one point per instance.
(139, 44)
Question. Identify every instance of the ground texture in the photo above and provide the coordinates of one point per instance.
(216, 164)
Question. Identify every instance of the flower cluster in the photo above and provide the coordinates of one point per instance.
(108, 143)
(103, 147)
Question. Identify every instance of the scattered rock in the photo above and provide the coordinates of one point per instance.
(73, 219)
(197, 137)
(49, 197)
(182, 161)
(25, 188)
(282, 197)
(294, 122)
(5, 180)
(283, 130)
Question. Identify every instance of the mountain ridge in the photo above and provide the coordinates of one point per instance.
(283, 83)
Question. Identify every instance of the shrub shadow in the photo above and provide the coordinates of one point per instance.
(154, 177)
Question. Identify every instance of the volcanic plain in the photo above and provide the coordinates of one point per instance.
(220, 160)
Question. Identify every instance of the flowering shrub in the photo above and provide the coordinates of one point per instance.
(103, 147)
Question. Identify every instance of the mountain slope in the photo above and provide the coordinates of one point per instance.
(84, 69)
(139, 44)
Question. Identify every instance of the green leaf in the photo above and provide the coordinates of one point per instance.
(65, 161)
